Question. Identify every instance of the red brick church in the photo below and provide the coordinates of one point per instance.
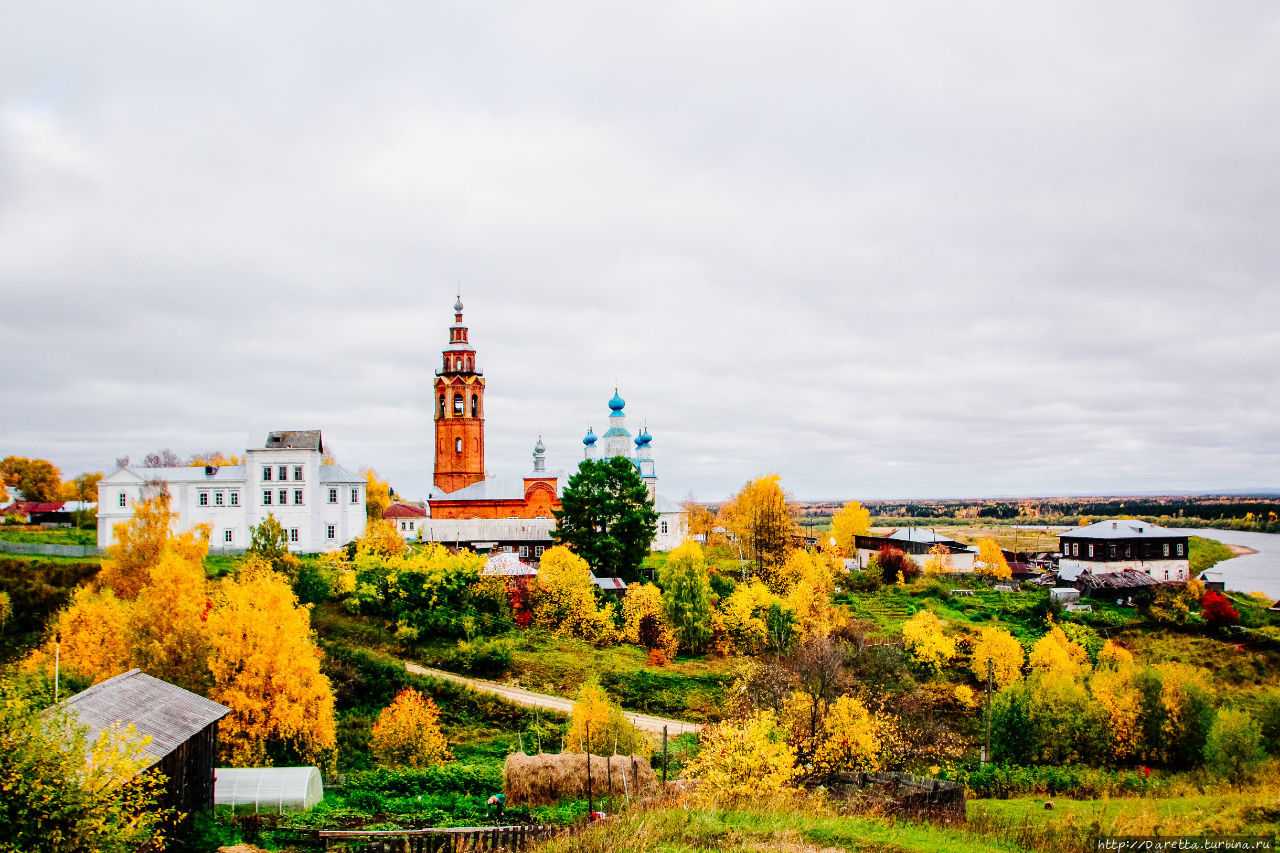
(461, 488)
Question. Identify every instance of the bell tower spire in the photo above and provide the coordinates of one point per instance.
(459, 411)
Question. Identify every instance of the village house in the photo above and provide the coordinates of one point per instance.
(918, 542)
(1116, 546)
(320, 505)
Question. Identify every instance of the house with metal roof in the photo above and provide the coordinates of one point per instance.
(179, 730)
(1118, 545)
(918, 542)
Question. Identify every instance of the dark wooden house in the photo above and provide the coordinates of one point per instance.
(182, 727)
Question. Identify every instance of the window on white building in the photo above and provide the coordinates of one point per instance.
(1179, 549)
(235, 499)
(355, 496)
(1166, 549)
(297, 496)
(538, 549)
(282, 471)
(331, 532)
(524, 550)
(333, 496)
(266, 472)
(297, 472)
(218, 498)
(293, 534)
(226, 536)
(203, 499)
(284, 497)
(664, 528)
(124, 499)
(1111, 551)
(1090, 550)
(266, 497)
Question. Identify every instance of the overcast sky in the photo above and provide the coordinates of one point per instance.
(881, 249)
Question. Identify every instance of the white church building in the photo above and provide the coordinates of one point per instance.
(673, 521)
(320, 506)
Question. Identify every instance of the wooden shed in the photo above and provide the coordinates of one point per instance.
(182, 727)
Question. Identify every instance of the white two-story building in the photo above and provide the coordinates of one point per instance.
(320, 506)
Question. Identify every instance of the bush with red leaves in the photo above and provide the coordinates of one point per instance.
(1217, 610)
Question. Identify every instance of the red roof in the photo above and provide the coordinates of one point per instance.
(399, 510)
(28, 507)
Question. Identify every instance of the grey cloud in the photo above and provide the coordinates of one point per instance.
(881, 250)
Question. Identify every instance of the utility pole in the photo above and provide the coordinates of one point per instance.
(664, 759)
(986, 753)
(57, 662)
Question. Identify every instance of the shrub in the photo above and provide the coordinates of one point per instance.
(1217, 610)
(895, 565)
(407, 733)
(1233, 746)
(864, 580)
(749, 759)
(486, 658)
(1269, 719)
(1003, 651)
(598, 726)
(923, 635)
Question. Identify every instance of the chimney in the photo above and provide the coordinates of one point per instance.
(1114, 525)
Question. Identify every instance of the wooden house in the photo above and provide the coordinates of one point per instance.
(182, 728)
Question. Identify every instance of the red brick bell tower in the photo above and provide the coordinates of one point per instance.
(459, 412)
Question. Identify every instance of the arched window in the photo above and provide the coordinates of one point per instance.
(475, 405)
(457, 445)
(457, 405)
(442, 405)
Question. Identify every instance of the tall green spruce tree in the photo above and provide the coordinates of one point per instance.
(606, 517)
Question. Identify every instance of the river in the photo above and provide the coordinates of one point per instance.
(1258, 572)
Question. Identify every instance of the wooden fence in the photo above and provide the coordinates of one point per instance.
(458, 839)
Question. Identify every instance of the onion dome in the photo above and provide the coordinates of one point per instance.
(643, 439)
(590, 438)
(539, 448)
(616, 404)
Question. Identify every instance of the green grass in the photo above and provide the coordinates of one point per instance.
(49, 535)
(796, 829)
(1246, 812)
(1206, 553)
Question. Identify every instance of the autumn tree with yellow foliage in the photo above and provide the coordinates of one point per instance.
(761, 521)
(1054, 654)
(610, 731)
(95, 637)
(936, 562)
(126, 565)
(852, 519)
(407, 732)
(924, 637)
(852, 739)
(377, 494)
(167, 625)
(644, 619)
(564, 598)
(1003, 651)
(810, 583)
(266, 669)
(991, 561)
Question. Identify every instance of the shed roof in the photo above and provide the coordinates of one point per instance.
(164, 712)
(1121, 528)
(507, 565)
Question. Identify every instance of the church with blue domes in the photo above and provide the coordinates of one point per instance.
(673, 522)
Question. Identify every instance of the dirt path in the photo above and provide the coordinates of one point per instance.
(528, 698)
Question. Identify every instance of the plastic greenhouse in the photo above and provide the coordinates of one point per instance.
(267, 789)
